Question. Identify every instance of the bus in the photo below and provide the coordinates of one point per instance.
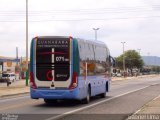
(68, 68)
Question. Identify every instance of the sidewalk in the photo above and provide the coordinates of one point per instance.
(15, 88)
(152, 107)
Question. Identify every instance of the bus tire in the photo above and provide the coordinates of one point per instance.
(88, 97)
(103, 95)
(50, 101)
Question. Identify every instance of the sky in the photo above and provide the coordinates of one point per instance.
(135, 22)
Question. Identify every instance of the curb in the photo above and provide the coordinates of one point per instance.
(144, 107)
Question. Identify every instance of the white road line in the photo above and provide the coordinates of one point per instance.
(15, 98)
(156, 97)
(94, 104)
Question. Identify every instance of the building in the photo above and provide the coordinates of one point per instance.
(9, 64)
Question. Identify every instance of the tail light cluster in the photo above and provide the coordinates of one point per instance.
(32, 81)
(74, 82)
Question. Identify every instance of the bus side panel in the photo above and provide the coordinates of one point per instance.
(98, 84)
(94, 59)
(81, 82)
(82, 87)
(32, 55)
(32, 61)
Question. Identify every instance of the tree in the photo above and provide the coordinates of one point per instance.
(156, 69)
(132, 60)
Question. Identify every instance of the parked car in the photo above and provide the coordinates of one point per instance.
(119, 75)
(8, 77)
(114, 74)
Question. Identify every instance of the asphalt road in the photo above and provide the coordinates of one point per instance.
(124, 99)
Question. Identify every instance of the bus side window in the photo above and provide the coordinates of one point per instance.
(82, 68)
(102, 61)
(91, 68)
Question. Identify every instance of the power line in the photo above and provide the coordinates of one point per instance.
(99, 11)
(107, 8)
(83, 19)
(82, 11)
(85, 13)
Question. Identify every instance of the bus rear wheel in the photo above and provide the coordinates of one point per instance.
(88, 97)
(103, 95)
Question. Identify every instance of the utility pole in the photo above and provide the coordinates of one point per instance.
(96, 29)
(27, 43)
(17, 55)
(123, 59)
(148, 58)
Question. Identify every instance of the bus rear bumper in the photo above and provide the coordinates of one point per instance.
(54, 94)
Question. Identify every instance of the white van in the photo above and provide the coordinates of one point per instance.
(9, 76)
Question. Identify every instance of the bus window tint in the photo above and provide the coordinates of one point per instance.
(102, 63)
(53, 59)
(90, 68)
(96, 58)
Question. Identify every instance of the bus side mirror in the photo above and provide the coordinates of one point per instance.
(112, 61)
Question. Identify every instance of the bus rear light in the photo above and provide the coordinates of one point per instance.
(32, 81)
(74, 81)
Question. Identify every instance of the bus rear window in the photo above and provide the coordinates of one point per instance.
(53, 59)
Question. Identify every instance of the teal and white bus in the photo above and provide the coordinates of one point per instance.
(68, 68)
